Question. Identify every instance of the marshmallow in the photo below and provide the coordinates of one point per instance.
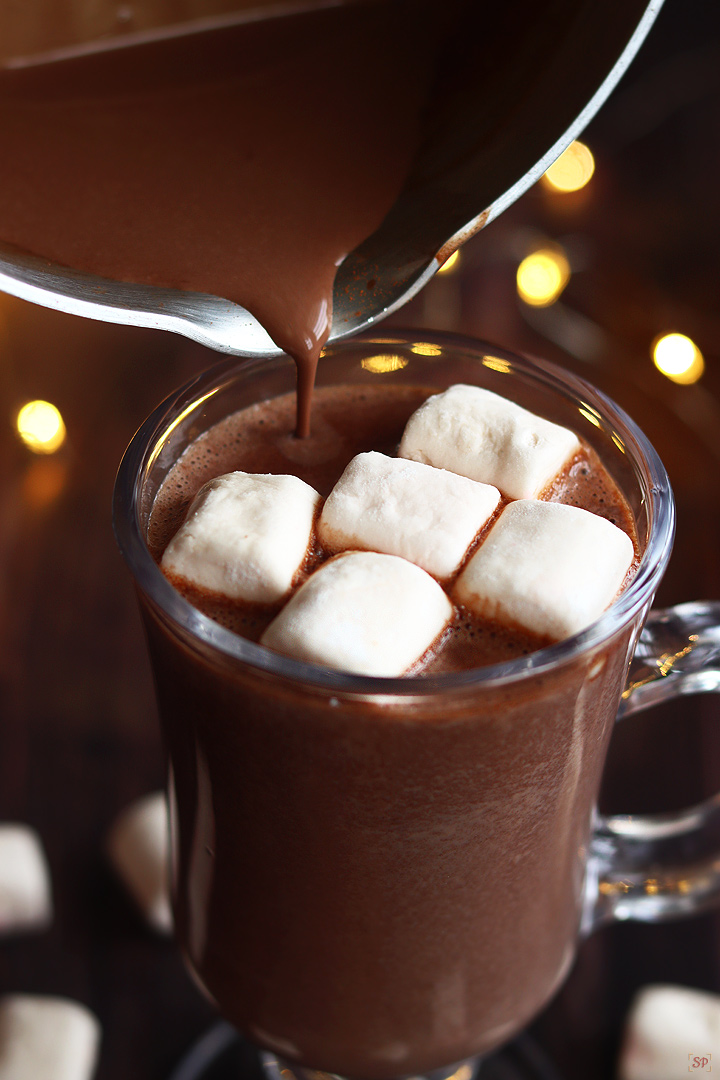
(479, 434)
(45, 1038)
(245, 536)
(364, 613)
(548, 567)
(670, 1031)
(428, 516)
(138, 846)
(25, 894)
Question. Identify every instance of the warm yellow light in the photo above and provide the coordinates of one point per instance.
(450, 264)
(590, 414)
(572, 170)
(542, 276)
(381, 364)
(41, 427)
(425, 348)
(496, 363)
(679, 358)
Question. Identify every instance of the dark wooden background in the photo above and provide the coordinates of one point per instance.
(78, 734)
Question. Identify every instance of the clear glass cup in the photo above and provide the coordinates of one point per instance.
(384, 877)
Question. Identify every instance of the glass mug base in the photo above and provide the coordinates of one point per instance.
(486, 777)
(222, 1054)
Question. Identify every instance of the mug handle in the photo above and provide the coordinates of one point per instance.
(654, 867)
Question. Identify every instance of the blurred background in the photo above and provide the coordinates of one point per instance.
(610, 266)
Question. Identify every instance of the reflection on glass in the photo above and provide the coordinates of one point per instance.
(590, 414)
(425, 348)
(496, 363)
(382, 363)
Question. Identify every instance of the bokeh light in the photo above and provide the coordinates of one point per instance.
(678, 358)
(41, 427)
(450, 264)
(542, 276)
(572, 170)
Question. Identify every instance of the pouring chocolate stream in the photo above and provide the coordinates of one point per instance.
(244, 162)
(211, 178)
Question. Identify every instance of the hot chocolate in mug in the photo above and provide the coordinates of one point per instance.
(381, 877)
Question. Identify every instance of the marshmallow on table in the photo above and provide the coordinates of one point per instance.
(669, 1030)
(245, 536)
(548, 567)
(364, 613)
(479, 434)
(46, 1038)
(428, 516)
(138, 846)
(25, 894)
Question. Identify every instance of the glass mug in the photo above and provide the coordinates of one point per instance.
(382, 877)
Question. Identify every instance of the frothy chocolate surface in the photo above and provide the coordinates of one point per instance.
(347, 421)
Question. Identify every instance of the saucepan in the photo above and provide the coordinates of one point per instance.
(513, 98)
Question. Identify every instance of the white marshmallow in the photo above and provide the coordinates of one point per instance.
(550, 568)
(138, 846)
(25, 893)
(245, 536)
(46, 1038)
(479, 434)
(428, 516)
(669, 1030)
(364, 613)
